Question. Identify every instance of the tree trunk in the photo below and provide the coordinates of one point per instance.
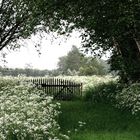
(130, 52)
(138, 44)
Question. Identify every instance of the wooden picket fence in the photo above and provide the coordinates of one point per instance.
(58, 88)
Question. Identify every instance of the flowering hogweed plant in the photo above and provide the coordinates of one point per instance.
(24, 114)
(89, 81)
(129, 98)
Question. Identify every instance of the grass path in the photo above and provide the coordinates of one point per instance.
(103, 122)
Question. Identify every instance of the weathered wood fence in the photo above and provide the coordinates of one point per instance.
(58, 88)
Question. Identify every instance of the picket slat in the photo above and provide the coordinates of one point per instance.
(58, 88)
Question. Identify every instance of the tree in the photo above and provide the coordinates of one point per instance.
(21, 18)
(76, 63)
(108, 25)
(62, 64)
(94, 66)
(28, 72)
(71, 62)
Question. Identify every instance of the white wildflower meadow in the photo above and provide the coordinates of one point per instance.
(25, 114)
(89, 81)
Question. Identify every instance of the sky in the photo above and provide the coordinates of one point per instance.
(51, 49)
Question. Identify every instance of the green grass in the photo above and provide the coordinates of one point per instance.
(105, 136)
(103, 122)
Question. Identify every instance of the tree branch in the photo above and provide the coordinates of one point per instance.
(10, 34)
(1, 5)
(138, 43)
(10, 31)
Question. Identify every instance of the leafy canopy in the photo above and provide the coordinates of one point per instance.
(101, 20)
(106, 24)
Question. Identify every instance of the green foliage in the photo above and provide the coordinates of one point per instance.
(4, 81)
(75, 63)
(18, 20)
(128, 68)
(129, 98)
(119, 95)
(104, 92)
(94, 66)
(71, 62)
(25, 114)
(106, 25)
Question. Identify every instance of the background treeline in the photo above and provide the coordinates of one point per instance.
(74, 63)
(26, 72)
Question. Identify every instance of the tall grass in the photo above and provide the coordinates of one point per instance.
(103, 92)
(103, 122)
(105, 136)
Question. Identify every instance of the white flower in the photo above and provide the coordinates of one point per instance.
(23, 111)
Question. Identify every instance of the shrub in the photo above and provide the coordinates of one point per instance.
(4, 81)
(129, 98)
(24, 114)
(105, 92)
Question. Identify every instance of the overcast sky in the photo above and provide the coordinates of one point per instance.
(51, 49)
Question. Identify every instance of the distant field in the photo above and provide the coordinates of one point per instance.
(89, 80)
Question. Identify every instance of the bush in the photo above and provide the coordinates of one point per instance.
(129, 98)
(4, 81)
(25, 115)
(121, 96)
(105, 92)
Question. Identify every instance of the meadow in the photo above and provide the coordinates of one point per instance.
(102, 113)
(89, 81)
(97, 121)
